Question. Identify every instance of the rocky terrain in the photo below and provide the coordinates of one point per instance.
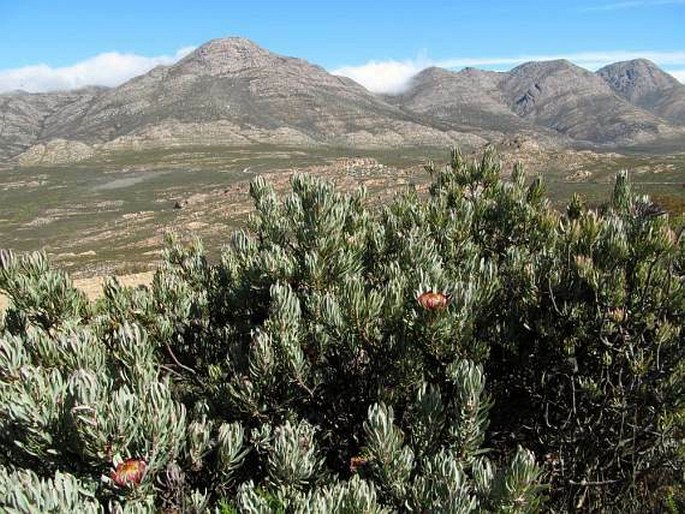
(231, 92)
(228, 92)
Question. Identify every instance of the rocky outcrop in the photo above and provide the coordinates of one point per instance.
(55, 152)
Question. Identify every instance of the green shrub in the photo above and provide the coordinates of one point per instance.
(335, 360)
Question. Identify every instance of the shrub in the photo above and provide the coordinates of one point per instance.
(335, 360)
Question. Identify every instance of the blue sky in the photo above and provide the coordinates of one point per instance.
(49, 44)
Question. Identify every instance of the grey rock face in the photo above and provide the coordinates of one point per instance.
(545, 100)
(645, 85)
(469, 100)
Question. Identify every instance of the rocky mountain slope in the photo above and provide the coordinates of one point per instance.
(26, 119)
(556, 96)
(233, 92)
(576, 102)
(645, 85)
(468, 99)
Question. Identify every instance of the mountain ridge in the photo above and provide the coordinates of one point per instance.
(574, 101)
(231, 91)
(645, 85)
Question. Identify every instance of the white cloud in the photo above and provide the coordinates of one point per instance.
(393, 76)
(106, 69)
(679, 74)
(633, 4)
(384, 76)
(589, 60)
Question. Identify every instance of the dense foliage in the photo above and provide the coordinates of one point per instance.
(343, 358)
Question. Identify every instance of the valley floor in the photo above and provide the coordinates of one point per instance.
(110, 217)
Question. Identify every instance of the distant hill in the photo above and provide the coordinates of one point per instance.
(233, 92)
(555, 95)
(645, 85)
(469, 99)
(27, 119)
(576, 102)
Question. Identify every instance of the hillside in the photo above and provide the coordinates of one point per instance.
(234, 92)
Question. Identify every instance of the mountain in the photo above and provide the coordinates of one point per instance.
(26, 119)
(232, 92)
(542, 99)
(467, 99)
(645, 85)
(576, 102)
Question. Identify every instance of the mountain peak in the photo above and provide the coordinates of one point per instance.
(633, 67)
(431, 73)
(224, 55)
(639, 62)
(230, 44)
(644, 84)
(547, 67)
(436, 74)
(232, 91)
(637, 80)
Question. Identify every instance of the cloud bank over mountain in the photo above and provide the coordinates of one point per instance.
(392, 76)
(378, 76)
(106, 69)
(387, 77)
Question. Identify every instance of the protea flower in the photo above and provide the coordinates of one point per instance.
(129, 473)
(433, 300)
(617, 315)
(357, 462)
(583, 261)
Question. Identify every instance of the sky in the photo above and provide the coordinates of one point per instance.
(63, 44)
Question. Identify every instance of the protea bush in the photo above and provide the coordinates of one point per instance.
(468, 350)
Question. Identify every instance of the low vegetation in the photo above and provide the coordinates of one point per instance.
(474, 350)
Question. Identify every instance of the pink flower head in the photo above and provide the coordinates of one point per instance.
(433, 301)
(129, 473)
